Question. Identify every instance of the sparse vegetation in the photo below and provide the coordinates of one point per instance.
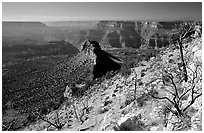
(57, 124)
(163, 82)
(180, 89)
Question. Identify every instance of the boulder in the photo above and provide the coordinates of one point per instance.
(130, 123)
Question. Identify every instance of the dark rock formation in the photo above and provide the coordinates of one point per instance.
(152, 43)
(159, 43)
(104, 61)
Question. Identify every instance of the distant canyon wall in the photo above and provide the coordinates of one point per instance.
(110, 34)
(134, 34)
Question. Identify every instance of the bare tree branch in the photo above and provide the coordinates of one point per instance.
(179, 42)
(169, 92)
(163, 98)
(48, 122)
(170, 109)
(193, 100)
(188, 31)
(184, 94)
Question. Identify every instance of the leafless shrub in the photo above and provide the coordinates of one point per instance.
(80, 114)
(175, 97)
(176, 90)
(185, 32)
(58, 124)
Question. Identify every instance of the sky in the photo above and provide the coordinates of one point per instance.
(69, 11)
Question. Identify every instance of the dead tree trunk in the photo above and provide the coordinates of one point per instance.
(183, 62)
(188, 32)
(135, 86)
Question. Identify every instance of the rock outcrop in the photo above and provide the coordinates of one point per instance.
(103, 61)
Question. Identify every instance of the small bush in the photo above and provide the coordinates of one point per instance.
(141, 101)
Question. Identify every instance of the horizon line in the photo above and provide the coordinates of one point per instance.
(155, 20)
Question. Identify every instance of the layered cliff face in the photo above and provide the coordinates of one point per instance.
(132, 34)
(111, 34)
(135, 34)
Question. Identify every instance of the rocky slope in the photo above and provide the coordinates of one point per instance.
(125, 102)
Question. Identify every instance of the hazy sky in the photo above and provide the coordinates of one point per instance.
(21, 11)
